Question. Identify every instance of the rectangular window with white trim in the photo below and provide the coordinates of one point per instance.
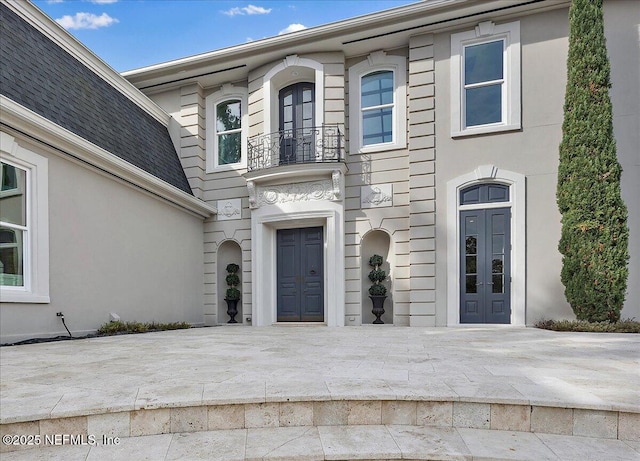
(485, 74)
(14, 227)
(24, 224)
(377, 104)
(227, 125)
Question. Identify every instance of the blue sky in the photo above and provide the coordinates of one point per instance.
(129, 34)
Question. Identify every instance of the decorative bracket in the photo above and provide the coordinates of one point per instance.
(253, 202)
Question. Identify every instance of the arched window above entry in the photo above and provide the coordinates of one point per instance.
(484, 193)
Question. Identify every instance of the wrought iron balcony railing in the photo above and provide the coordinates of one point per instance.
(287, 147)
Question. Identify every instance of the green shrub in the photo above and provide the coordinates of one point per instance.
(233, 268)
(233, 280)
(232, 294)
(377, 276)
(594, 239)
(622, 326)
(119, 327)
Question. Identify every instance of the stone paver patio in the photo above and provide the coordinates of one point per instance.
(231, 383)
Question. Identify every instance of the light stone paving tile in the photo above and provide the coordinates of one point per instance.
(109, 424)
(358, 389)
(25, 408)
(511, 417)
(77, 402)
(284, 444)
(229, 393)
(551, 391)
(634, 445)
(150, 422)
(588, 449)
(495, 393)
(189, 419)
(399, 412)
(430, 443)
(506, 445)
(149, 448)
(425, 390)
(472, 415)
(363, 412)
(225, 417)
(434, 414)
(296, 414)
(331, 413)
(159, 396)
(594, 423)
(261, 415)
(629, 426)
(358, 442)
(228, 445)
(64, 453)
(551, 420)
(296, 390)
(26, 428)
(73, 426)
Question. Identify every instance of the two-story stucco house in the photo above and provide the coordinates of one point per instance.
(427, 134)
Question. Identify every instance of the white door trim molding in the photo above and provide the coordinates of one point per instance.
(517, 201)
(264, 223)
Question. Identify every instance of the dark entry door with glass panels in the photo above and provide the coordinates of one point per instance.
(485, 266)
(297, 132)
(300, 275)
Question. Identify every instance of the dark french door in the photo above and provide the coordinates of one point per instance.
(297, 108)
(485, 266)
(300, 275)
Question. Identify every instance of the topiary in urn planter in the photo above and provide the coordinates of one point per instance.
(377, 291)
(233, 294)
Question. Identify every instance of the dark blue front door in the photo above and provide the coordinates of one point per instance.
(300, 275)
(485, 266)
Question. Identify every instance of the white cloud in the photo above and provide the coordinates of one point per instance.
(103, 2)
(55, 1)
(86, 21)
(249, 9)
(292, 28)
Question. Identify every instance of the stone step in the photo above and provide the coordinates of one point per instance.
(379, 442)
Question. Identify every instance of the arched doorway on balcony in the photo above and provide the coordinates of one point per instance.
(296, 123)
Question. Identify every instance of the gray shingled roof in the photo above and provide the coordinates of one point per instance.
(38, 74)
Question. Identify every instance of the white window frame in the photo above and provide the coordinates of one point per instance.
(376, 62)
(35, 234)
(227, 93)
(487, 32)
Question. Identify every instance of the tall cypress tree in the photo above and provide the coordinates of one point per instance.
(594, 241)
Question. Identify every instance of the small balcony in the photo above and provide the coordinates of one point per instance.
(323, 144)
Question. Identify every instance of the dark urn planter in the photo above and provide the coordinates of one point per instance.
(378, 307)
(232, 309)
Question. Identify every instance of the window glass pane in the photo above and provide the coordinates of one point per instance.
(470, 284)
(484, 105)
(471, 245)
(13, 201)
(11, 257)
(483, 63)
(307, 95)
(377, 126)
(307, 111)
(471, 266)
(228, 115)
(377, 89)
(498, 285)
(229, 148)
(9, 177)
